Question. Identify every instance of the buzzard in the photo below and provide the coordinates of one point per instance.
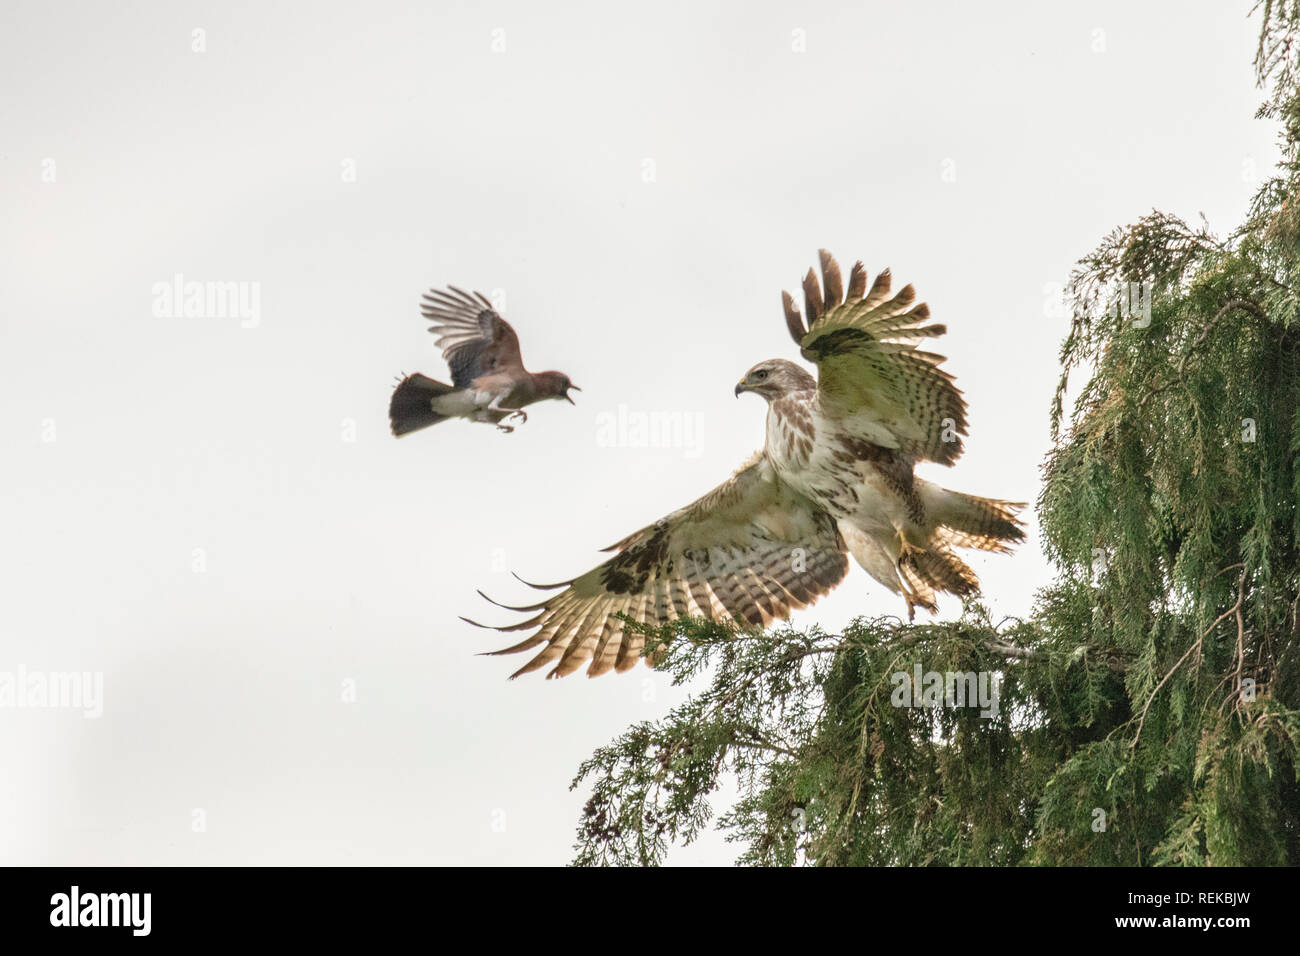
(835, 477)
(489, 381)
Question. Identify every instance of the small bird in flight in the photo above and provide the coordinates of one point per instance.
(834, 478)
(489, 381)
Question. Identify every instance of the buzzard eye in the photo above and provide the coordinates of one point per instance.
(761, 374)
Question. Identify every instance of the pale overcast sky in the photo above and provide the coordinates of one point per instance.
(210, 512)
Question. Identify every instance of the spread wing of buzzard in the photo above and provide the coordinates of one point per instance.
(747, 553)
(872, 379)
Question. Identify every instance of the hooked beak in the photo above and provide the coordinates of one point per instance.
(740, 387)
(572, 388)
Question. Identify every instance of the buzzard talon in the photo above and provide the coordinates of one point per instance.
(914, 599)
(905, 548)
(835, 478)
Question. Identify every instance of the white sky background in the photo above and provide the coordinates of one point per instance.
(522, 171)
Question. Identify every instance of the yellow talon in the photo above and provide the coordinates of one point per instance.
(906, 547)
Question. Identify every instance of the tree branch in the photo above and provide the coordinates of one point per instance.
(1235, 609)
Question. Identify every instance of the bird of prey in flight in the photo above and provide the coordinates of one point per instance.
(488, 380)
(834, 478)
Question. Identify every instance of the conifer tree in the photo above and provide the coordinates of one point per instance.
(1148, 712)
